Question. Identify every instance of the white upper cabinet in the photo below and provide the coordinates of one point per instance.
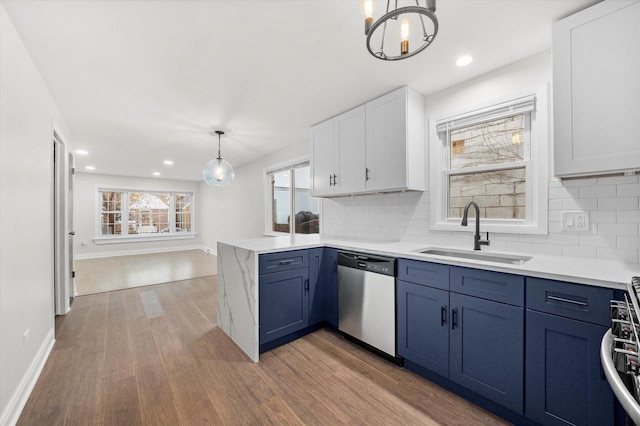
(337, 155)
(395, 142)
(375, 147)
(596, 79)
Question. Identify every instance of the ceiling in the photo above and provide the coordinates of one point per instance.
(140, 82)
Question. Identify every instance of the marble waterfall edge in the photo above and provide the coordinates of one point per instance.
(237, 291)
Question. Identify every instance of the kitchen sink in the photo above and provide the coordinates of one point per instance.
(477, 255)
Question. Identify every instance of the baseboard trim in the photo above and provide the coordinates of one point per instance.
(209, 250)
(12, 412)
(134, 252)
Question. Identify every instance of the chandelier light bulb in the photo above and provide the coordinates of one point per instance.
(368, 15)
(404, 35)
(383, 44)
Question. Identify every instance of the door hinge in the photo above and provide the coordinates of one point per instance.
(73, 274)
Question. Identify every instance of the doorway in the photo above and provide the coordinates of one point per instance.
(62, 226)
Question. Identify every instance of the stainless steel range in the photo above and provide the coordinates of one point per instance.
(619, 351)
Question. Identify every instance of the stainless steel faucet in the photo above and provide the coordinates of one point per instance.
(477, 242)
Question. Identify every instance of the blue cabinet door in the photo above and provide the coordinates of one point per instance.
(423, 329)
(284, 303)
(329, 273)
(317, 287)
(487, 349)
(564, 381)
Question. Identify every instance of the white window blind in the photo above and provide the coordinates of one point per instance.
(515, 106)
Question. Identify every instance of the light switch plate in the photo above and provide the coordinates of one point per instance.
(575, 221)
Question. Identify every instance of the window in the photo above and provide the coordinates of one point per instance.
(288, 197)
(148, 214)
(495, 155)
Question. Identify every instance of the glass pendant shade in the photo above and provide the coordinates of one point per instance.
(218, 172)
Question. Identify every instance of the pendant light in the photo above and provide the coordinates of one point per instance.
(396, 38)
(218, 172)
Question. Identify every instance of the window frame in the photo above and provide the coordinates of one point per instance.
(536, 166)
(125, 237)
(268, 199)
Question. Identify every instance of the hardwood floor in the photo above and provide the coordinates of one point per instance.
(153, 356)
(101, 274)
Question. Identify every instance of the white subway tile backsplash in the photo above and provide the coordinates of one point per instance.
(586, 252)
(628, 216)
(602, 216)
(629, 190)
(618, 203)
(618, 254)
(609, 241)
(555, 205)
(623, 229)
(613, 204)
(598, 191)
(629, 243)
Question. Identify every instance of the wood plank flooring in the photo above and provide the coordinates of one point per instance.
(154, 356)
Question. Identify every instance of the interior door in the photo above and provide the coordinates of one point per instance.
(71, 272)
(61, 262)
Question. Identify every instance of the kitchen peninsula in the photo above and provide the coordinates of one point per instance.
(238, 274)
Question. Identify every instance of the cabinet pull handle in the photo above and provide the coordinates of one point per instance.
(443, 315)
(330, 180)
(366, 174)
(306, 284)
(454, 318)
(286, 262)
(562, 299)
(335, 182)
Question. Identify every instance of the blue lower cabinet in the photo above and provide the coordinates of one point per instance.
(329, 280)
(563, 374)
(423, 332)
(284, 303)
(317, 289)
(487, 349)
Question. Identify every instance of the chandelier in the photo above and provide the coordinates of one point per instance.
(218, 172)
(392, 30)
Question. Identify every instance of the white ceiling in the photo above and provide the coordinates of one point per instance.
(144, 81)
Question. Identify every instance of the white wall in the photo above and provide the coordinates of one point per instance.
(27, 116)
(85, 215)
(237, 211)
(612, 202)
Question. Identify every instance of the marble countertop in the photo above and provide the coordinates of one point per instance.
(602, 273)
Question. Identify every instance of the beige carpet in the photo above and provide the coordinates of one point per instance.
(120, 272)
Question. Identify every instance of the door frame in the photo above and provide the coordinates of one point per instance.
(62, 212)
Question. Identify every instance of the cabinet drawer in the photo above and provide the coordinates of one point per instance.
(283, 261)
(425, 273)
(577, 301)
(496, 286)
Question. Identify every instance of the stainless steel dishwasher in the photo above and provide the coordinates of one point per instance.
(367, 300)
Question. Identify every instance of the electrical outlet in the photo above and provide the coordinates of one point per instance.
(575, 221)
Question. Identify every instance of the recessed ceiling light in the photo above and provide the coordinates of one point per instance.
(464, 60)
(156, 173)
(90, 168)
(168, 162)
(82, 152)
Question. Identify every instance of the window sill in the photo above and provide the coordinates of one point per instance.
(143, 238)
